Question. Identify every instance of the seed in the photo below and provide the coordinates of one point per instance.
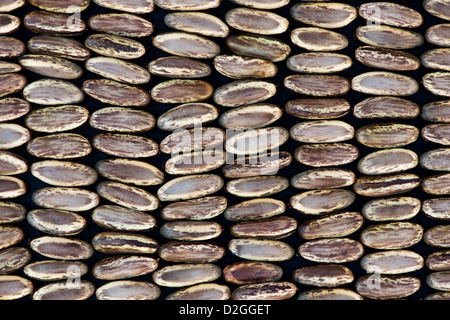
(11, 47)
(114, 242)
(53, 270)
(11, 212)
(58, 46)
(179, 67)
(386, 107)
(437, 83)
(117, 119)
(319, 62)
(15, 287)
(387, 135)
(186, 45)
(128, 196)
(49, 66)
(436, 208)
(196, 139)
(182, 91)
(322, 131)
(124, 266)
(389, 37)
(438, 35)
(256, 21)
(12, 164)
(121, 24)
(44, 22)
(115, 46)
(384, 83)
(56, 222)
(257, 141)
(9, 23)
(272, 228)
(326, 155)
(57, 119)
(258, 46)
(128, 290)
(187, 116)
(438, 261)
(324, 15)
(10, 235)
(436, 59)
(436, 111)
(204, 291)
(13, 108)
(190, 252)
(9, 67)
(118, 70)
(10, 5)
(391, 14)
(392, 262)
(255, 209)
(11, 187)
(323, 275)
(247, 272)
(261, 249)
(11, 83)
(191, 230)
(329, 294)
(438, 295)
(14, 259)
(317, 108)
(331, 250)
(186, 274)
(279, 290)
(392, 235)
(388, 161)
(65, 198)
(195, 209)
(437, 236)
(316, 202)
(387, 185)
(118, 218)
(390, 286)
(438, 8)
(388, 59)
(323, 178)
(134, 6)
(317, 85)
(195, 162)
(439, 280)
(59, 146)
(243, 92)
(197, 22)
(130, 171)
(189, 5)
(64, 6)
(61, 291)
(436, 159)
(255, 187)
(52, 92)
(436, 184)
(240, 67)
(190, 187)
(318, 39)
(62, 248)
(331, 225)
(125, 145)
(262, 4)
(391, 209)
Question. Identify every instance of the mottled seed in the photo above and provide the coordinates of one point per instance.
(187, 116)
(324, 15)
(436, 59)
(256, 21)
(9, 67)
(436, 184)
(59, 146)
(437, 236)
(118, 70)
(272, 228)
(62, 248)
(44, 22)
(186, 274)
(119, 218)
(257, 141)
(14, 287)
(436, 111)
(10, 235)
(191, 252)
(195, 162)
(436, 133)
(262, 4)
(392, 262)
(391, 14)
(247, 272)
(121, 24)
(329, 294)
(128, 290)
(391, 286)
(280, 290)
(115, 242)
(186, 45)
(319, 62)
(261, 249)
(392, 235)
(11, 47)
(387, 135)
(316, 202)
(130, 171)
(64, 6)
(118, 119)
(61, 291)
(323, 178)
(179, 67)
(438, 261)
(438, 8)
(133, 6)
(49, 66)
(197, 22)
(243, 92)
(240, 67)
(323, 275)
(124, 266)
(11, 83)
(196, 209)
(189, 5)
(14, 259)
(322, 131)
(196, 139)
(65, 198)
(318, 39)
(255, 187)
(388, 59)
(12, 164)
(438, 295)
(388, 185)
(191, 230)
(317, 108)
(58, 46)
(115, 46)
(386, 107)
(438, 34)
(204, 291)
(326, 155)
(9, 23)
(436, 208)
(10, 5)
(56, 222)
(57, 119)
(255, 209)
(182, 91)
(439, 280)
(332, 250)
(437, 83)
(11, 187)
(389, 37)
(128, 196)
(54, 270)
(52, 92)
(384, 83)
(125, 145)
(317, 85)
(436, 159)
(11, 212)
(391, 209)
(388, 161)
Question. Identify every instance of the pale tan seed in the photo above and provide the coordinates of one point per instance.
(392, 235)
(255, 187)
(196, 139)
(262, 4)
(186, 274)
(255, 209)
(437, 83)
(436, 159)
(392, 262)
(121, 24)
(57, 119)
(62, 248)
(322, 131)
(186, 45)
(12, 164)
(200, 23)
(391, 14)
(279, 290)
(195, 162)
(122, 119)
(331, 250)
(388, 59)
(116, 242)
(118, 218)
(384, 83)
(318, 39)
(436, 184)
(439, 280)
(390, 286)
(243, 92)
(323, 275)
(12, 187)
(54, 270)
(56, 222)
(203, 292)
(60, 291)
(14, 287)
(256, 21)
(386, 185)
(436, 111)
(436, 59)
(391, 209)
(59, 46)
(323, 178)
(438, 35)
(187, 5)
(325, 15)
(261, 249)
(128, 290)
(386, 107)
(128, 196)
(247, 272)
(118, 70)
(125, 145)
(14, 259)
(437, 236)
(388, 161)
(9, 67)
(179, 68)
(316, 202)
(187, 116)
(436, 208)
(438, 8)
(387, 135)
(389, 37)
(50, 92)
(133, 6)
(319, 62)
(256, 141)
(196, 209)
(59, 146)
(191, 252)
(12, 212)
(66, 198)
(119, 267)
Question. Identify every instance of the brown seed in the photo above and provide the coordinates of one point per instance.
(58, 46)
(64, 173)
(11, 47)
(437, 236)
(186, 274)
(436, 159)
(11, 83)
(392, 235)
(128, 290)
(323, 178)
(191, 230)
(438, 35)
(197, 22)
(438, 8)
(118, 218)
(262, 4)
(261, 249)
(182, 91)
(179, 67)
(386, 107)
(115, 46)
(11, 212)
(329, 294)
(387, 185)
(317, 108)
(436, 184)
(56, 222)
(186, 45)
(11, 187)
(61, 291)
(44, 22)
(331, 250)
(240, 67)
(118, 70)
(49, 66)
(326, 155)
(255, 187)
(331, 225)
(317, 85)
(59, 146)
(243, 92)
(190, 187)
(65, 198)
(255, 209)
(384, 83)
(257, 141)
(10, 5)
(118, 119)
(64, 6)
(52, 92)
(9, 67)
(323, 275)
(189, 5)
(187, 116)
(14, 259)
(390, 286)
(256, 21)
(10, 235)
(391, 14)
(324, 15)
(62, 248)
(186, 140)
(203, 291)
(257, 46)
(322, 131)
(317, 202)
(121, 24)
(15, 287)
(387, 135)
(9, 23)
(392, 262)
(436, 59)
(436, 133)
(436, 208)
(12, 164)
(195, 162)
(133, 6)
(438, 261)
(196, 209)
(437, 83)
(391, 209)
(57, 119)
(318, 39)
(127, 196)
(388, 161)
(319, 62)
(247, 272)
(389, 37)
(115, 242)
(436, 111)
(271, 228)
(439, 280)
(279, 290)
(190, 252)
(53, 270)
(388, 59)
(125, 145)
(124, 266)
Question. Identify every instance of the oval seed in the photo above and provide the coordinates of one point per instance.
(436, 111)
(195, 162)
(61, 6)
(317, 202)
(254, 209)
(437, 236)
(57, 119)
(324, 15)
(436, 59)
(64, 173)
(118, 119)
(124, 266)
(391, 209)
(438, 35)
(204, 291)
(128, 196)
(256, 21)
(59, 46)
(14, 259)
(196, 139)
(436, 208)
(65, 198)
(9, 23)
(318, 39)
(323, 178)
(44, 22)
(243, 92)
(125, 145)
(326, 155)
(272, 228)
(438, 261)
(59, 146)
(317, 85)
(11, 212)
(186, 45)
(9, 67)
(190, 252)
(186, 274)
(387, 135)
(322, 131)
(388, 59)
(265, 291)
(386, 107)
(391, 287)
(246, 272)
(438, 8)
(14, 287)
(379, 186)
(114, 242)
(329, 294)
(436, 159)
(331, 250)
(240, 67)
(319, 62)
(256, 141)
(189, 5)
(196, 209)
(12, 164)
(11, 83)
(392, 262)
(436, 184)
(11, 47)
(392, 235)
(119, 218)
(10, 235)
(385, 83)
(60, 291)
(389, 37)
(56, 222)
(53, 270)
(11, 187)
(118, 70)
(317, 108)
(121, 24)
(179, 67)
(391, 14)
(261, 249)
(191, 230)
(436, 133)
(182, 91)
(62, 248)
(10, 5)
(436, 83)
(134, 6)
(388, 161)
(187, 115)
(115, 46)
(13, 108)
(197, 22)
(52, 92)
(128, 290)
(255, 187)
(323, 275)
(262, 4)
(439, 280)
